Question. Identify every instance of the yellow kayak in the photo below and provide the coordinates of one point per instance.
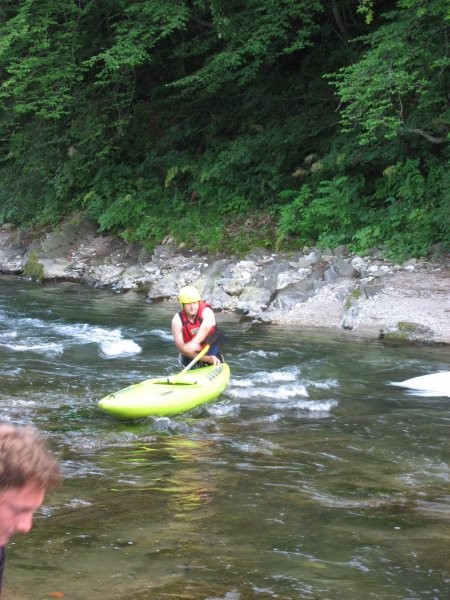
(166, 396)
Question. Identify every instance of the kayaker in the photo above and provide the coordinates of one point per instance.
(191, 325)
(27, 470)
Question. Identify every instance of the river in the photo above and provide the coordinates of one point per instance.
(312, 476)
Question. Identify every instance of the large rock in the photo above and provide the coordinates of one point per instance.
(308, 288)
(12, 251)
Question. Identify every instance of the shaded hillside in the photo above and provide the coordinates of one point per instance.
(227, 125)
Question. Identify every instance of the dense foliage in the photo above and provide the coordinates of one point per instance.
(230, 123)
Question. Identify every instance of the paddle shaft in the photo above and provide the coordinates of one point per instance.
(213, 338)
(202, 352)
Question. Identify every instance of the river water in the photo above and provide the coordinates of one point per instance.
(312, 476)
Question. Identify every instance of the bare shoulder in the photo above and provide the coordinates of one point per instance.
(208, 314)
(176, 321)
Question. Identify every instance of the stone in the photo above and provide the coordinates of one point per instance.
(303, 289)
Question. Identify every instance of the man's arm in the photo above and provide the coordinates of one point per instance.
(194, 346)
(208, 321)
(177, 332)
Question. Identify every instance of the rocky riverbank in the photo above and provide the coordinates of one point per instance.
(367, 295)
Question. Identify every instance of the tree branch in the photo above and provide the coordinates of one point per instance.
(429, 137)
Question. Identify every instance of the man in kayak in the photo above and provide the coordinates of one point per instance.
(27, 470)
(192, 325)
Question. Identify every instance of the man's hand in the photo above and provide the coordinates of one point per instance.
(192, 347)
(210, 359)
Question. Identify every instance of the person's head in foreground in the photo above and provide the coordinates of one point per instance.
(27, 470)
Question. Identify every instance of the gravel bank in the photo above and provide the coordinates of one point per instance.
(417, 297)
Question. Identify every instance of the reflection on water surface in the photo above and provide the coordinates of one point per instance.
(311, 477)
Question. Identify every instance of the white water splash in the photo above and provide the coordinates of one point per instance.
(313, 406)
(119, 348)
(110, 341)
(262, 353)
(434, 384)
(49, 349)
(162, 334)
(283, 390)
(276, 376)
(324, 385)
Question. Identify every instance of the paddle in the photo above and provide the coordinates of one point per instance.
(211, 339)
(202, 352)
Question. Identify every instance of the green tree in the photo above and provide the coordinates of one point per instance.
(400, 85)
(153, 115)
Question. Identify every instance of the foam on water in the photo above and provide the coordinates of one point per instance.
(8, 335)
(163, 334)
(11, 371)
(276, 376)
(119, 348)
(49, 349)
(324, 385)
(262, 353)
(314, 406)
(221, 409)
(56, 337)
(282, 389)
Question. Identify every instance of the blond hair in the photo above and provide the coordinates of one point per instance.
(25, 459)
